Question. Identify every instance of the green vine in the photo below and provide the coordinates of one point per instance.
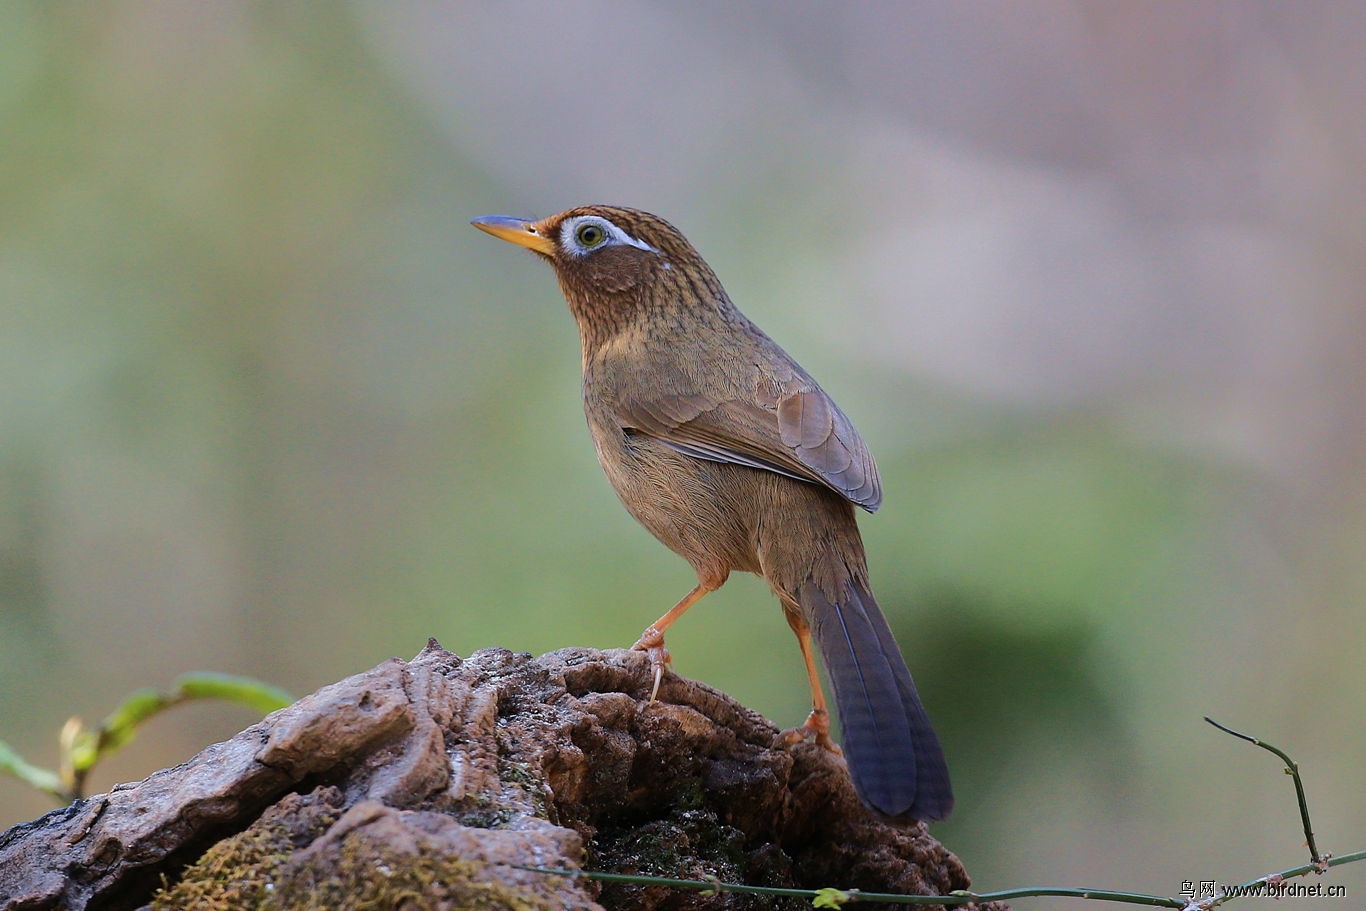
(81, 747)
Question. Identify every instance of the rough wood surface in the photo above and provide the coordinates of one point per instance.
(423, 784)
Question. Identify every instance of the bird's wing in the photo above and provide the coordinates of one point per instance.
(790, 427)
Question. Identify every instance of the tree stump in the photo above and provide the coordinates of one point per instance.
(433, 784)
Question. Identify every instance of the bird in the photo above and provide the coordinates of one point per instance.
(725, 449)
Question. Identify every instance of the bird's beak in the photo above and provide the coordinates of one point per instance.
(522, 233)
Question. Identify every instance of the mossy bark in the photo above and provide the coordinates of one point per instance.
(433, 783)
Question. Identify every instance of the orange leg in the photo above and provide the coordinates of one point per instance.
(652, 640)
(817, 723)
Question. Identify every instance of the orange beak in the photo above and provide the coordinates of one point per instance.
(518, 231)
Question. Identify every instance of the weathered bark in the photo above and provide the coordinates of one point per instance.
(426, 784)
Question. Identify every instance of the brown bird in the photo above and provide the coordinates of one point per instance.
(727, 451)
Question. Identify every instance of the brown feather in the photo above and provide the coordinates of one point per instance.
(728, 452)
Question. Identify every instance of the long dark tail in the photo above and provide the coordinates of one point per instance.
(894, 757)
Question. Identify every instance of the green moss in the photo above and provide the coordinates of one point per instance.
(529, 780)
(362, 881)
(490, 817)
(256, 870)
(481, 812)
(238, 872)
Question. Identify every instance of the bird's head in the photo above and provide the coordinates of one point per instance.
(613, 262)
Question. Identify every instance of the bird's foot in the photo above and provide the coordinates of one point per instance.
(817, 728)
(651, 642)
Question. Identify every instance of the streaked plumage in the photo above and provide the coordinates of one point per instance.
(725, 449)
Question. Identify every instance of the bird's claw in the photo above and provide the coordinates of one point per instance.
(817, 728)
(651, 642)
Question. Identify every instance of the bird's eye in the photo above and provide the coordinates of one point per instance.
(590, 235)
(587, 233)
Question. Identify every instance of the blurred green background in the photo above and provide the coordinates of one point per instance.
(1087, 276)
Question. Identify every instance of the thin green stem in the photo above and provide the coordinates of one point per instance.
(850, 897)
(834, 897)
(1292, 769)
(80, 747)
(1318, 866)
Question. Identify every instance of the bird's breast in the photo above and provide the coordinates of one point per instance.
(687, 503)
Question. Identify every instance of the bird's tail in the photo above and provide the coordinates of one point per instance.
(893, 754)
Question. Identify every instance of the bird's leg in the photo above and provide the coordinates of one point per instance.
(652, 640)
(817, 723)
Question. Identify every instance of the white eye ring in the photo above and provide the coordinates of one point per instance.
(612, 236)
